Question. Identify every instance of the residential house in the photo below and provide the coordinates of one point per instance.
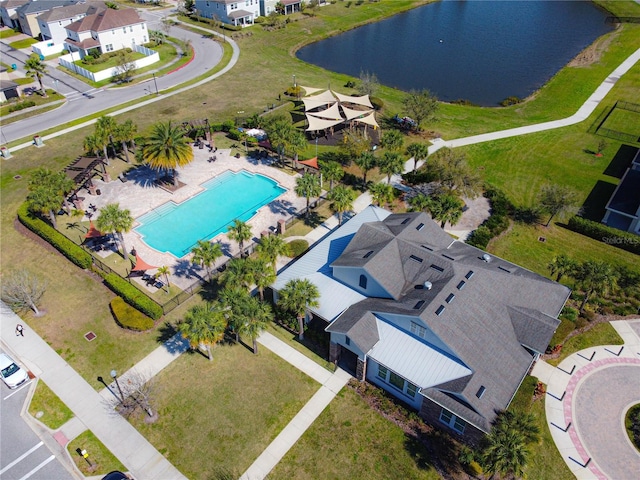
(232, 12)
(267, 7)
(8, 13)
(29, 12)
(623, 208)
(446, 328)
(108, 31)
(52, 23)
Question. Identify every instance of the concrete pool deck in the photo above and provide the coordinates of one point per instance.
(141, 195)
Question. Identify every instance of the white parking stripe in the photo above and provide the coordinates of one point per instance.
(21, 457)
(38, 467)
(16, 391)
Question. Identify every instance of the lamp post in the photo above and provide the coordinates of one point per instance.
(294, 81)
(156, 84)
(101, 380)
(114, 375)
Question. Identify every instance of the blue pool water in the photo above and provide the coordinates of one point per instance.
(176, 228)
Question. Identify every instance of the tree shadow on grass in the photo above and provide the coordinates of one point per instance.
(433, 449)
(313, 219)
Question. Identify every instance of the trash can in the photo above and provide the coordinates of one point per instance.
(98, 192)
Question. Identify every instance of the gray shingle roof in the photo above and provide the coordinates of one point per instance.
(43, 5)
(70, 11)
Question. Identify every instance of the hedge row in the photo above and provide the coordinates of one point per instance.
(498, 222)
(603, 233)
(133, 296)
(65, 246)
(129, 317)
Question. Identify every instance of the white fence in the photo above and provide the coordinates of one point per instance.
(67, 61)
(46, 48)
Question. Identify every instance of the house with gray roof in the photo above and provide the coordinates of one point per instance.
(623, 208)
(9, 14)
(29, 12)
(446, 328)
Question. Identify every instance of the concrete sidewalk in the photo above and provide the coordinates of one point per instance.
(563, 386)
(124, 441)
(331, 385)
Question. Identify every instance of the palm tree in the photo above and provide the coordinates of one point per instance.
(48, 191)
(164, 270)
(365, 162)
(562, 265)
(297, 142)
(124, 134)
(283, 136)
(271, 247)
(296, 296)
(92, 145)
(231, 297)
(204, 326)
(331, 171)
(205, 254)
(445, 208)
(34, 67)
(595, 277)
(381, 193)
(419, 203)
(105, 129)
(114, 220)
(263, 275)
(419, 151)
(342, 199)
(240, 232)
(392, 140)
(166, 149)
(390, 164)
(308, 185)
(238, 274)
(253, 316)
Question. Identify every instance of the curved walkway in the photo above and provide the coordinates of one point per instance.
(587, 397)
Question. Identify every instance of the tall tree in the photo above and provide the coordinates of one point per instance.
(297, 296)
(450, 169)
(381, 193)
(23, 290)
(365, 162)
(419, 203)
(595, 277)
(332, 171)
(390, 164)
(240, 232)
(557, 199)
(204, 326)
(445, 208)
(34, 67)
(368, 83)
(48, 191)
(419, 151)
(253, 318)
(297, 142)
(167, 149)
(92, 145)
(112, 219)
(125, 133)
(284, 136)
(562, 265)
(392, 140)
(342, 198)
(355, 143)
(105, 129)
(270, 248)
(165, 272)
(307, 186)
(231, 297)
(263, 275)
(205, 254)
(422, 106)
(239, 273)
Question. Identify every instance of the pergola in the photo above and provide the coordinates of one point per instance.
(82, 170)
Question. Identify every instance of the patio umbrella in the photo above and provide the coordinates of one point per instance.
(141, 265)
(93, 232)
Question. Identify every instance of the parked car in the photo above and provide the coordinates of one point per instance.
(115, 475)
(12, 374)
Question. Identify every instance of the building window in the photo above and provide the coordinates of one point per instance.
(411, 389)
(363, 282)
(396, 380)
(382, 372)
(131, 29)
(418, 330)
(109, 47)
(124, 29)
(452, 421)
(347, 341)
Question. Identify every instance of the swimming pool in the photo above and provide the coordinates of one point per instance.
(176, 228)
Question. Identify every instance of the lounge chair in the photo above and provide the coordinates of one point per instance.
(158, 284)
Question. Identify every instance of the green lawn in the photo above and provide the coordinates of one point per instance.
(112, 62)
(54, 412)
(6, 33)
(351, 440)
(38, 99)
(601, 334)
(100, 458)
(625, 121)
(226, 411)
(24, 43)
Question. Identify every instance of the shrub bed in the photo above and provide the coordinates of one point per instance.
(128, 317)
(609, 235)
(133, 296)
(21, 106)
(297, 247)
(61, 243)
(498, 222)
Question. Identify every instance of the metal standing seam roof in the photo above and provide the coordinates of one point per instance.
(417, 362)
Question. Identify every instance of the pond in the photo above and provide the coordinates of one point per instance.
(480, 51)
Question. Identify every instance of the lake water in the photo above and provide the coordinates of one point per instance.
(481, 51)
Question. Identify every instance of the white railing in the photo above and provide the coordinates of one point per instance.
(67, 61)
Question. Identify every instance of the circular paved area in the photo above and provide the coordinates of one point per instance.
(600, 403)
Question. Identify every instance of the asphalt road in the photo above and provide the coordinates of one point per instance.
(84, 100)
(23, 455)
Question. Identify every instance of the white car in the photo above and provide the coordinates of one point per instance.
(12, 375)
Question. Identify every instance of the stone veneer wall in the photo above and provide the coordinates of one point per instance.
(430, 412)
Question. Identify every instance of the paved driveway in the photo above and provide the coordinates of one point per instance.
(601, 401)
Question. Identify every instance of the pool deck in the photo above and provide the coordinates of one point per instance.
(141, 195)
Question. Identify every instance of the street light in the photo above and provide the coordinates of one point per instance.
(101, 380)
(294, 81)
(156, 84)
(114, 375)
